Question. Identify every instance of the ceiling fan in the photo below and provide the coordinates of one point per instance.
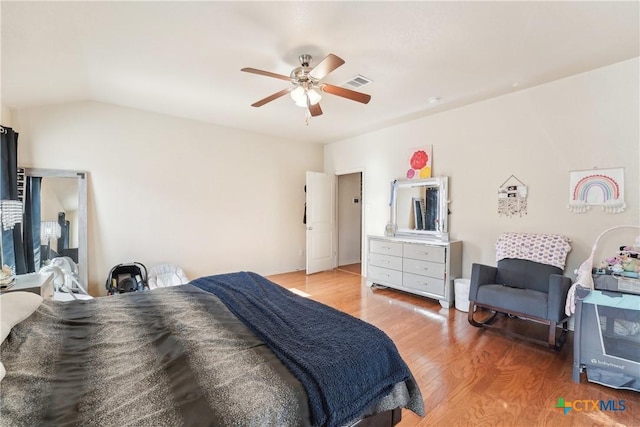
(306, 85)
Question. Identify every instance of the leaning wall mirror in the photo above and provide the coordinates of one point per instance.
(55, 217)
(419, 208)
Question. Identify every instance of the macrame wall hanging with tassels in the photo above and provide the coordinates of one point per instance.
(597, 187)
(512, 197)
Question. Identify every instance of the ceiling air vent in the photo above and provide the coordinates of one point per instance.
(357, 82)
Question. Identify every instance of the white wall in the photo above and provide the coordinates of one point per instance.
(164, 189)
(5, 115)
(538, 134)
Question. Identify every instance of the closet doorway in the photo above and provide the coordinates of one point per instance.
(349, 218)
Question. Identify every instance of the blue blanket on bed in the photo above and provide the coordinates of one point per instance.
(344, 363)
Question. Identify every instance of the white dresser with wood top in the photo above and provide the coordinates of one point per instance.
(38, 283)
(422, 267)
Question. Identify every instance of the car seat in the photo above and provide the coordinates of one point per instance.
(129, 277)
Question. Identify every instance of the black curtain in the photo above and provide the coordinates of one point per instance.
(32, 255)
(12, 247)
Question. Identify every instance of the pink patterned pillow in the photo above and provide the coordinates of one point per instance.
(551, 249)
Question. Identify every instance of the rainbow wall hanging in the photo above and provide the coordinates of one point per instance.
(597, 187)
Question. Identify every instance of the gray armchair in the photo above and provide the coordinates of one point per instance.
(522, 286)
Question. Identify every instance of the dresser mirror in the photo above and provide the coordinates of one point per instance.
(54, 196)
(419, 208)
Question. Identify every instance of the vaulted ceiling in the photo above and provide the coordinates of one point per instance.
(184, 58)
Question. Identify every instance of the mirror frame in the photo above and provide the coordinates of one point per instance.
(442, 183)
(81, 176)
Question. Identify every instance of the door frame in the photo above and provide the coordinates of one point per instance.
(363, 237)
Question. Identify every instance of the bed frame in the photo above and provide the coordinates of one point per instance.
(384, 419)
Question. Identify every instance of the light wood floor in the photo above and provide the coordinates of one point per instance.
(351, 268)
(468, 376)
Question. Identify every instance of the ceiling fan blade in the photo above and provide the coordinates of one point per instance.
(271, 97)
(346, 93)
(266, 73)
(315, 110)
(327, 65)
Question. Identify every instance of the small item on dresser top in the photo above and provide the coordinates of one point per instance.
(7, 278)
(6, 285)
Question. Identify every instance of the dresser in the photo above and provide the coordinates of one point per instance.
(38, 283)
(421, 267)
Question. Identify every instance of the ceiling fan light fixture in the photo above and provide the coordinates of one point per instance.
(307, 87)
(299, 95)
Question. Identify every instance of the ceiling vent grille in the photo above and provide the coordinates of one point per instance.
(358, 81)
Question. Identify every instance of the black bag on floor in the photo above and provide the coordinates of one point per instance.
(131, 277)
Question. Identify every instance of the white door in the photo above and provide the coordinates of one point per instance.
(320, 222)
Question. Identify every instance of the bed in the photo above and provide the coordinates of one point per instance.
(232, 349)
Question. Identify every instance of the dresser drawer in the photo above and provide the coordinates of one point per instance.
(423, 283)
(424, 252)
(424, 268)
(385, 261)
(385, 247)
(384, 275)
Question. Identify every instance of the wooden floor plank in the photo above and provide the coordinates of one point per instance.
(469, 376)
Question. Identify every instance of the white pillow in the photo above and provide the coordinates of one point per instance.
(167, 279)
(14, 308)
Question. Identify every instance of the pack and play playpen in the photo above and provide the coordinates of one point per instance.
(607, 322)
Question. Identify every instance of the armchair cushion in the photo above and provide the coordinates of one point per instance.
(525, 274)
(521, 286)
(514, 300)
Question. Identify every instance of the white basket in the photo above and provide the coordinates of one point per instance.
(461, 287)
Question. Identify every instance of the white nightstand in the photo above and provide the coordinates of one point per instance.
(38, 283)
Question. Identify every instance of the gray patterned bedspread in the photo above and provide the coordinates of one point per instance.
(345, 364)
(169, 357)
